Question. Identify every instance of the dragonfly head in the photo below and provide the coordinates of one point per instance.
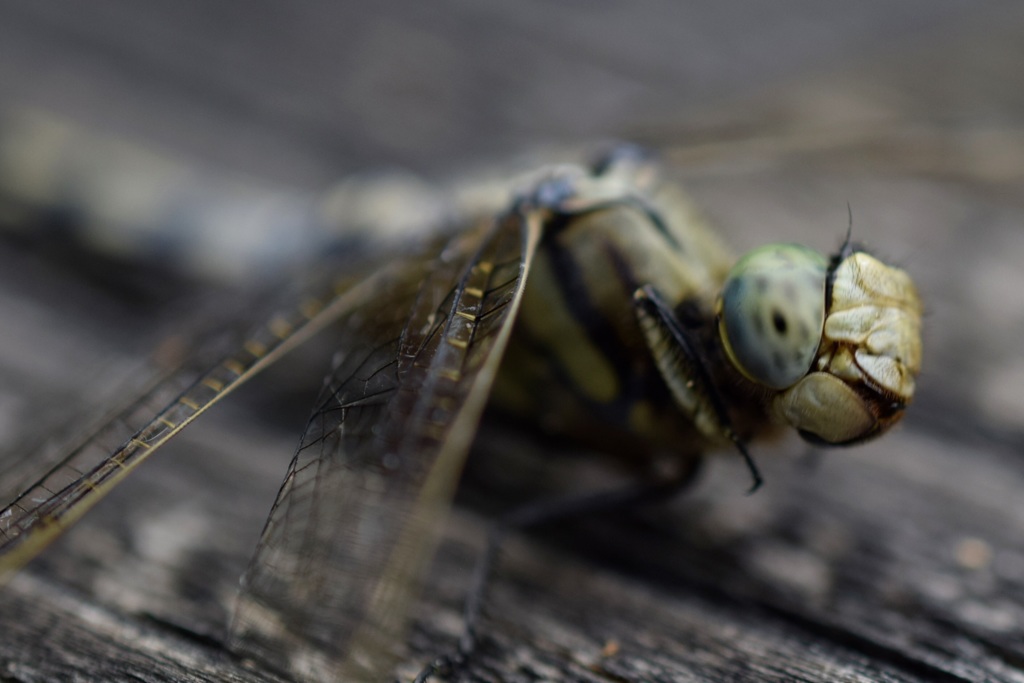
(837, 342)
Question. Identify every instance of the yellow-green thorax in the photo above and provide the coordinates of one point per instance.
(579, 363)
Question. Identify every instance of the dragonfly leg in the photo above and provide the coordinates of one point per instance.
(686, 373)
(537, 513)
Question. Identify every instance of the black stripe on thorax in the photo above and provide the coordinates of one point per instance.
(599, 330)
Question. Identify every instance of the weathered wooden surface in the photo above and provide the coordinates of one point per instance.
(899, 561)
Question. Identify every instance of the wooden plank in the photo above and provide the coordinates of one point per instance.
(899, 561)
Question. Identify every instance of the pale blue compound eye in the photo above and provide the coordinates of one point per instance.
(772, 312)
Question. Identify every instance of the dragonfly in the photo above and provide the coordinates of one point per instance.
(592, 301)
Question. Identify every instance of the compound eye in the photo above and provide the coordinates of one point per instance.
(772, 312)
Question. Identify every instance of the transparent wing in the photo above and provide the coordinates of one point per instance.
(355, 520)
(103, 456)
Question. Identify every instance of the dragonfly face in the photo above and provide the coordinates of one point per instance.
(840, 341)
(598, 304)
(863, 375)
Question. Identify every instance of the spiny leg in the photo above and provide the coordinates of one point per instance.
(688, 366)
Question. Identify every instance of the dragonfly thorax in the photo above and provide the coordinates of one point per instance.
(579, 362)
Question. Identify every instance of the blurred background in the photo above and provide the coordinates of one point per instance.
(306, 93)
(228, 123)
